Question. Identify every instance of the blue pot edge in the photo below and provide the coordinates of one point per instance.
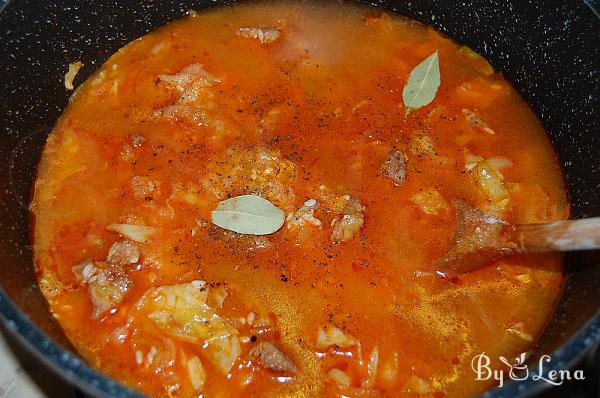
(75, 370)
(57, 358)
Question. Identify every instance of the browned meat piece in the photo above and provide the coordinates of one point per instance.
(137, 140)
(258, 171)
(123, 253)
(347, 225)
(234, 241)
(394, 167)
(192, 114)
(189, 81)
(264, 35)
(271, 357)
(304, 215)
(476, 241)
(142, 186)
(107, 284)
(194, 86)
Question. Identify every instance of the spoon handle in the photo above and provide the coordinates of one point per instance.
(566, 235)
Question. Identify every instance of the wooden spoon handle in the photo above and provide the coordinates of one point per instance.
(567, 235)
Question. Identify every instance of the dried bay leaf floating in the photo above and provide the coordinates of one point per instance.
(422, 84)
(248, 214)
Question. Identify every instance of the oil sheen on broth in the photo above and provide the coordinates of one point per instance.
(299, 103)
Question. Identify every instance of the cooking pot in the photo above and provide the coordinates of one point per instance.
(549, 49)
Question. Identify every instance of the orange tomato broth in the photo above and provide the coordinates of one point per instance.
(326, 98)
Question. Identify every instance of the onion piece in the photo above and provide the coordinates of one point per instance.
(216, 296)
(389, 370)
(138, 233)
(196, 373)
(331, 335)
(340, 377)
(417, 385)
(499, 163)
(70, 75)
(372, 369)
(263, 35)
(518, 329)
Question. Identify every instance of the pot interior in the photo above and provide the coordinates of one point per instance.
(551, 54)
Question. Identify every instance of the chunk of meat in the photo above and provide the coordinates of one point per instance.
(193, 86)
(263, 35)
(270, 357)
(330, 201)
(304, 215)
(107, 284)
(137, 141)
(475, 239)
(123, 253)
(234, 241)
(394, 167)
(142, 186)
(421, 145)
(189, 82)
(347, 225)
(255, 171)
(184, 112)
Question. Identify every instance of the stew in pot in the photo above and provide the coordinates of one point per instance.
(249, 201)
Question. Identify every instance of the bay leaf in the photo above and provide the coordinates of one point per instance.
(248, 214)
(422, 84)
